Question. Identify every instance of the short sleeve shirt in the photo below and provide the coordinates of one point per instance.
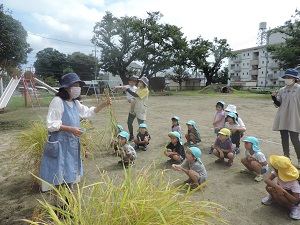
(259, 156)
(141, 137)
(227, 145)
(291, 185)
(196, 166)
(177, 148)
(129, 150)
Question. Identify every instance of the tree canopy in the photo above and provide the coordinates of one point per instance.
(13, 45)
(50, 63)
(128, 39)
(287, 53)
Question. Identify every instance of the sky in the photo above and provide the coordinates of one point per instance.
(67, 25)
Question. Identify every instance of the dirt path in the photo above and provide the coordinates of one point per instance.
(237, 192)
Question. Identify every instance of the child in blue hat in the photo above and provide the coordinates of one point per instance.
(193, 136)
(193, 167)
(175, 150)
(236, 129)
(126, 152)
(254, 160)
(176, 124)
(142, 138)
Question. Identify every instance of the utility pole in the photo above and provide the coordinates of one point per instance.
(96, 62)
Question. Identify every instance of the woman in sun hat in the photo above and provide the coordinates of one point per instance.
(254, 160)
(193, 167)
(140, 110)
(287, 117)
(287, 189)
(63, 124)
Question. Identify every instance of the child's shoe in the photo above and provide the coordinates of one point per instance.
(145, 148)
(136, 147)
(211, 150)
(131, 138)
(294, 214)
(259, 178)
(230, 163)
(219, 160)
(245, 170)
(237, 150)
(268, 200)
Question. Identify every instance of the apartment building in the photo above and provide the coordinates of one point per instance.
(254, 67)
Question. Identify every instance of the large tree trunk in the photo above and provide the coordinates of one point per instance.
(208, 79)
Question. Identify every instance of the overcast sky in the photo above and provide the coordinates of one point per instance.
(67, 25)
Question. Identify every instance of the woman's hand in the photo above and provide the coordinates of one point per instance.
(76, 131)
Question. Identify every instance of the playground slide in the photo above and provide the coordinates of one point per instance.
(9, 90)
(45, 85)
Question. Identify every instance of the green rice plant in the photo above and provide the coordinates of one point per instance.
(139, 197)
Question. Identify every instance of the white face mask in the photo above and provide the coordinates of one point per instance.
(75, 92)
(289, 82)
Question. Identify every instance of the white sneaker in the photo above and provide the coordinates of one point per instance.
(268, 200)
(295, 214)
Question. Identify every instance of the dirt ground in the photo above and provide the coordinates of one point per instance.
(237, 192)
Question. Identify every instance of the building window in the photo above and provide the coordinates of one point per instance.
(275, 71)
(274, 82)
(261, 82)
(244, 54)
(262, 62)
(247, 73)
(248, 54)
(247, 64)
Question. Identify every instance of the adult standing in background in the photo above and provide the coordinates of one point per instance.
(140, 109)
(63, 165)
(287, 119)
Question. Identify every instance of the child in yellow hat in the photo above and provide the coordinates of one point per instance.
(287, 189)
(223, 147)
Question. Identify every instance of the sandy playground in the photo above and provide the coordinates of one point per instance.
(239, 193)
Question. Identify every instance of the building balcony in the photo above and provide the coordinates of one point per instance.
(253, 72)
(236, 69)
(253, 78)
(237, 59)
(235, 78)
(273, 66)
(254, 62)
(273, 76)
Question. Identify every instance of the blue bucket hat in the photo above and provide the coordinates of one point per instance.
(124, 134)
(196, 153)
(176, 118)
(192, 123)
(175, 134)
(144, 80)
(120, 128)
(254, 142)
(143, 125)
(68, 79)
(234, 116)
(292, 73)
(221, 102)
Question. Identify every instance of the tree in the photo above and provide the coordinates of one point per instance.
(13, 45)
(84, 65)
(50, 62)
(288, 52)
(221, 76)
(128, 39)
(202, 49)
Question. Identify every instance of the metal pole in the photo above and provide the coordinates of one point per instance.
(267, 61)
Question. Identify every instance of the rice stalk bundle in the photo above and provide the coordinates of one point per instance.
(113, 124)
(141, 197)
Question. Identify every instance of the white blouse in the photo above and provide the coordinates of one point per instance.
(56, 109)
